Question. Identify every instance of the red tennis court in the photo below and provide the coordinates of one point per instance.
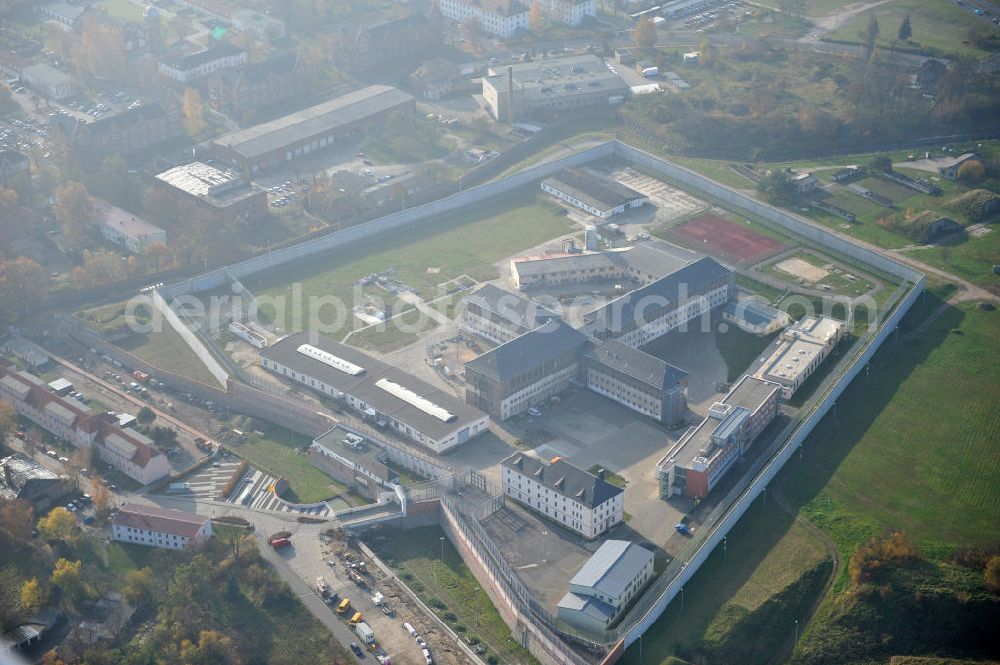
(727, 240)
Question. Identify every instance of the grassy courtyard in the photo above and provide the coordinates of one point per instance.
(166, 349)
(468, 243)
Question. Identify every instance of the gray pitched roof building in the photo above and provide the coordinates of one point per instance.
(565, 479)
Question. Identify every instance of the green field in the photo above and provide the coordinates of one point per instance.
(967, 257)
(468, 243)
(914, 445)
(447, 585)
(938, 27)
(739, 348)
(166, 349)
(766, 554)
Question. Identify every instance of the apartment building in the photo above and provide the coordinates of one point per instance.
(566, 494)
(606, 585)
(237, 92)
(127, 450)
(123, 133)
(503, 18)
(153, 526)
(570, 12)
(257, 25)
(697, 462)
(636, 379)
(500, 316)
(524, 371)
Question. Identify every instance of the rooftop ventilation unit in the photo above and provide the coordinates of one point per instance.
(415, 400)
(331, 360)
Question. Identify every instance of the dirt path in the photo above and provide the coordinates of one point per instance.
(837, 19)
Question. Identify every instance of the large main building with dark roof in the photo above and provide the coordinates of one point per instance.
(567, 494)
(383, 394)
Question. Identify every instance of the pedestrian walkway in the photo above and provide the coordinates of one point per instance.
(206, 483)
(256, 490)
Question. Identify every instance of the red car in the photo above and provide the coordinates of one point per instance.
(278, 543)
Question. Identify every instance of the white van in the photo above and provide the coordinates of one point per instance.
(410, 629)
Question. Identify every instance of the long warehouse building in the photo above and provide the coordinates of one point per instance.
(382, 394)
(270, 144)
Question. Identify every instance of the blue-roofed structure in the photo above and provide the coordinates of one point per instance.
(612, 577)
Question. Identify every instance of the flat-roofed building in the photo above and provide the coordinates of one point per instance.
(602, 198)
(638, 380)
(755, 316)
(550, 86)
(382, 394)
(221, 191)
(796, 354)
(153, 526)
(524, 371)
(700, 458)
(273, 143)
(666, 304)
(49, 82)
(566, 494)
(608, 582)
(127, 230)
(500, 316)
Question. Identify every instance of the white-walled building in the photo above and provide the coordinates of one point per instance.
(570, 12)
(577, 499)
(602, 590)
(260, 26)
(502, 18)
(194, 66)
(125, 229)
(603, 198)
(382, 394)
(796, 354)
(500, 316)
(127, 450)
(159, 527)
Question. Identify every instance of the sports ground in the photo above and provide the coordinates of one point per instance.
(727, 240)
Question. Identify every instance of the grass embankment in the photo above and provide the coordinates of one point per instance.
(912, 447)
(448, 586)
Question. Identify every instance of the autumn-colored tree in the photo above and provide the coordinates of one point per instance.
(67, 575)
(535, 15)
(22, 283)
(645, 33)
(213, 647)
(74, 211)
(59, 524)
(52, 658)
(870, 558)
(971, 171)
(101, 50)
(992, 574)
(32, 595)
(194, 111)
(102, 498)
(139, 586)
(16, 518)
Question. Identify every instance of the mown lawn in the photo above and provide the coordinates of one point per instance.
(967, 257)
(914, 445)
(739, 349)
(467, 243)
(166, 349)
(765, 553)
(416, 556)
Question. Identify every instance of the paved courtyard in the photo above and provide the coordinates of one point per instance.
(671, 203)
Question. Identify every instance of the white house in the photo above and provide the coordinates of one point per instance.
(159, 527)
(577, 499)
(200, 64)
(123, 228)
